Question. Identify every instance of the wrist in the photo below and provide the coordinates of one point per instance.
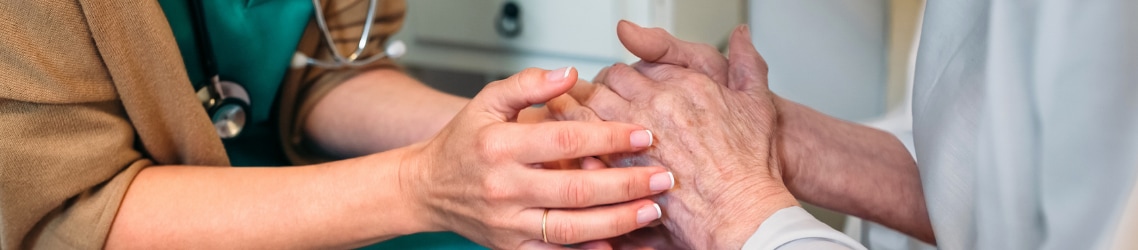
(789, 139)
(408, 185)
(739, 227)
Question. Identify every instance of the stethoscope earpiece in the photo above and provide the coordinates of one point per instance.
(396, 49)
(299, 60)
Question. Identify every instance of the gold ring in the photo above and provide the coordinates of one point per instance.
(543, 217)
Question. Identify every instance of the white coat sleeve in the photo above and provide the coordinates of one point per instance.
(793, 228)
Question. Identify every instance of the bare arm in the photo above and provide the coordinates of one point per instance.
(851, 168)
(475, 177)
(341, 204)
(379, 110)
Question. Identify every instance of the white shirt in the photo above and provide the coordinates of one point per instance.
(1025, 122)
(793, 228)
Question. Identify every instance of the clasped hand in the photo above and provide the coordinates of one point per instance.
(714, 122)
(481, 175)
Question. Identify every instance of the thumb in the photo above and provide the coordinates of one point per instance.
(655, 45)
(748, 69)
(505, 98)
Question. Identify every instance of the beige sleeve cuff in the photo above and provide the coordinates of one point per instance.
(85, 220)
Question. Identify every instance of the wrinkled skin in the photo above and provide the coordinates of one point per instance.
(713, 128)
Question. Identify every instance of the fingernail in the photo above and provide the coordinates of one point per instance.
(661, 181)
(558, 74)
(648, 214)
(641, 139)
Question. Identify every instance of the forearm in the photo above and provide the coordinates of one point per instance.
(341, 204)
(377, 111)
(851, 168)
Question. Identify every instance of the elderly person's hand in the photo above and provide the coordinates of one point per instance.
(479, 178)
(713, 128)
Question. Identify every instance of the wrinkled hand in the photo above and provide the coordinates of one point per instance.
(713, 128)
(477, 176)
(567, 108)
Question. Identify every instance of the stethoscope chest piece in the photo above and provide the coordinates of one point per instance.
(227, 104)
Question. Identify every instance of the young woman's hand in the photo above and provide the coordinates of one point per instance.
(481, 175)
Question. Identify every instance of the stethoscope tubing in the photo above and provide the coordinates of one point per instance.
(338, 60)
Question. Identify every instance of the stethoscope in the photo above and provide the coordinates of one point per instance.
(227, 102)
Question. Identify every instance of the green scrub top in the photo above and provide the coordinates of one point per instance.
(254, 41)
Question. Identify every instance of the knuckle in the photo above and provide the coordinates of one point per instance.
(517, 86)
(663, 103)
(576, 193)
(582, 114)
(498, 222)
(618, 139)
(695, 79)
(564, 232)
(531, 71)
(700, 84)
(611, 74)
(528, 76)
(488, 146)
(600, 77)
(604, 112)
(621, 224)
(496, 189)
(632, 189)
(618, 73)
(567, 141)
(495, 86)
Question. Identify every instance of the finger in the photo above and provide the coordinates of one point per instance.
(596, 245)
(534, 114)
(687, 79)
(582, 91)
(562, 164)
(628, 83)
(608, 105)
(551, 141)
(585, 188)
(657, 46)
(661, 72)
(748, 69)
(592, 245)
(601, 75)
(587, 224)
(538, 245)
(591, 163)
(628, 160)
(652, 236)
(566, 108)
(505, 98)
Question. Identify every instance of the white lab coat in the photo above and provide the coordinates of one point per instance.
(1025, 122)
